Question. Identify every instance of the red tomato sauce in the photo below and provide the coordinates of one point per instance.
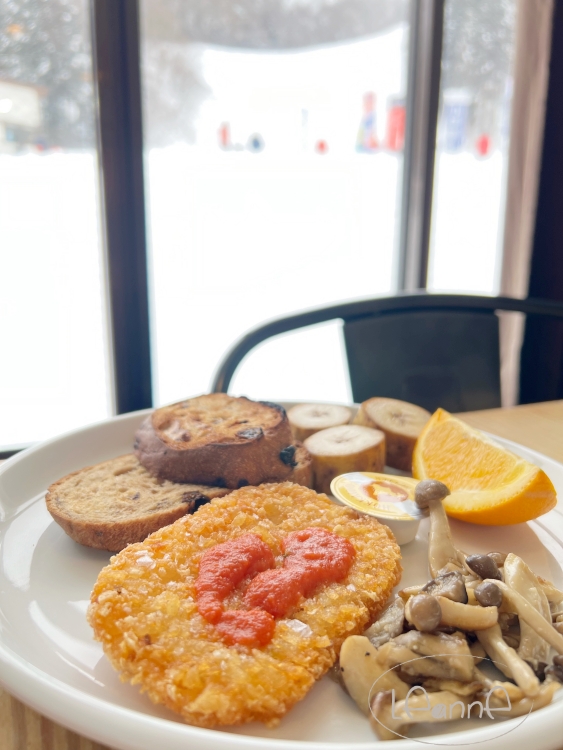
(224, 567)
(313, 557)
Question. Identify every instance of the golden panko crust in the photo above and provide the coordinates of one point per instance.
(143, 608)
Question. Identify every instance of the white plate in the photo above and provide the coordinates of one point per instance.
(49, 660)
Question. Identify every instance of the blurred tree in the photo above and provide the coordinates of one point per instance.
(270, 24)
(46, 43)
(478, 45)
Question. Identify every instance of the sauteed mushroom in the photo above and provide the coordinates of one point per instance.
(362, 674)
(409, 591)
(466, 617)
(498, 557)
(450, 655)
(391, 721)
(494, 598)
(526, 612)
(488, 595)
(507, 660)
(454, 686)
(441, 551)
(424, 612)
(450, 585)
(521, 579)
(483, 565)
(554, 596)
(388, 625)
(525, 704)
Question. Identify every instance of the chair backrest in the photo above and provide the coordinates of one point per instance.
(447, 358)
(430, 349)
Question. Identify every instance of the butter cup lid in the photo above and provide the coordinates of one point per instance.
(384, 496)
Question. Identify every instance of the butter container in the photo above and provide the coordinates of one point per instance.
(386, 497)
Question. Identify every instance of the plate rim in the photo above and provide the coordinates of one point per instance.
(124, 727)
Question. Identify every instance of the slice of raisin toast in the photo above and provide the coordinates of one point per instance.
(218, 440)
(117, 502)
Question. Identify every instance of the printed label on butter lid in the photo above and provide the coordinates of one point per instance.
(381, 495)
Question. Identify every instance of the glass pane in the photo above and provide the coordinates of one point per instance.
(472, 146)
(274, 135)
(54, 373)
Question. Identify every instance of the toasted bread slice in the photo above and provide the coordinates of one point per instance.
(144, 612)
(303, 470)
(117, 502)
(218, 440)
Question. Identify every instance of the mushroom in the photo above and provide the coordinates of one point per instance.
(388, 624)
(454, 686)
(507, 660)
(509, 689)
(409, 591)
(498, 557)
(363, 675)
(556, 611)
(509, 626)
(448, 655)
(483, 566)
(488, 595)
(555, 671)
(424, 612)
(450, 585)
(526, 704)
(521, 579)
(390, 719)
(441, 551)
(478, 652)
(554, 596)
(466, 617)
(522, 607)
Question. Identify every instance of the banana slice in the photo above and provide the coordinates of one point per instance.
(306, 419)
(401, 422)
(339, 450)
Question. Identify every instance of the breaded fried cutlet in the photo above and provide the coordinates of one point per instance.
(144, 608)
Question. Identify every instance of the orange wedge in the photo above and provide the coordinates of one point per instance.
(489, 484)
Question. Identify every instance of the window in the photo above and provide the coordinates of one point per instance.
(276, 140)
(55, 365)
(472, 146)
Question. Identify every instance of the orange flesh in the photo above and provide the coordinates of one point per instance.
(450, 450)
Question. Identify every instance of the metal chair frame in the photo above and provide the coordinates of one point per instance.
(375, 307)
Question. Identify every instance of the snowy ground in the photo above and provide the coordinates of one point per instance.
(236, 240)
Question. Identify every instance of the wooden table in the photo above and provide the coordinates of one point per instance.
(537, 426)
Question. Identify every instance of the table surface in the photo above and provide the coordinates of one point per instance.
(537, 426)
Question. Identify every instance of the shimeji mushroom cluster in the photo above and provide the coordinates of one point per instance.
(435, 636)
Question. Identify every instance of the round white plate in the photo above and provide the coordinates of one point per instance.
(49, 660)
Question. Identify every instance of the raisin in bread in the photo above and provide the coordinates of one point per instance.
(218, 440)
(117, 502)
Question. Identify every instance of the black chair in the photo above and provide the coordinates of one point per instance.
(429, 349)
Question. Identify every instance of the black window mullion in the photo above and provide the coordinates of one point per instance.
(116, 50)
(423, 97)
